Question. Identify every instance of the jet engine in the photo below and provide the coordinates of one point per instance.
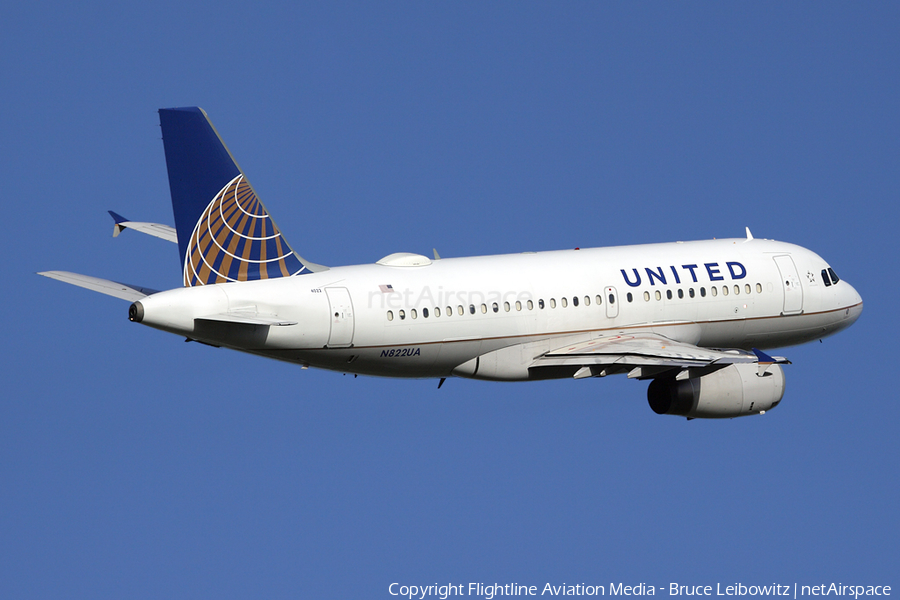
(734, 391)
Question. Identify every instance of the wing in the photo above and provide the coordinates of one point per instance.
(648, 355)
(124, 291)
(155, 229)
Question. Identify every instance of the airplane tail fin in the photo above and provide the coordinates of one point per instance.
(224, 231)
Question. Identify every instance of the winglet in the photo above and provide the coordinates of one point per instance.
(155, 229)
(119, 219)
(763, 357)
(765, 361)
(749, 235)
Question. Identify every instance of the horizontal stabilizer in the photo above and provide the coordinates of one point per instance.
(242, 328)
(247, 318)
(131, 293)
(155, 229)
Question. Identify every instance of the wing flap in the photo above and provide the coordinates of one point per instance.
(124, 291)
(643, 355)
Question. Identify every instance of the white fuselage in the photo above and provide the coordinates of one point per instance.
(408, 316)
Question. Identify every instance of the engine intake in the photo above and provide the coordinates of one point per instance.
(734, 391)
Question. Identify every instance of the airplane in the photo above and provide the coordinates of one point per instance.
(694, 318)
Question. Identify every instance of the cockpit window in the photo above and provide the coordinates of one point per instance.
(826, 278)
(834, 277)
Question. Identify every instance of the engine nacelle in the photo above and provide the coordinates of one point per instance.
(735, 391)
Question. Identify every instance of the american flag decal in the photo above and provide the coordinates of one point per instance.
(386, 289)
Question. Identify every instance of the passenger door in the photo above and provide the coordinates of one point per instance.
(339, 302)
(790, 281)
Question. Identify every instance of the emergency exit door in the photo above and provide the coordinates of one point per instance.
(612, 304)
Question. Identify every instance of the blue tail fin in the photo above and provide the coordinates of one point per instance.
(224, 231)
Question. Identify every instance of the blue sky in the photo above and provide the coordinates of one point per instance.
(133, 465)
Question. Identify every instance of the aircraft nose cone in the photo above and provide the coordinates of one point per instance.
(854, 304)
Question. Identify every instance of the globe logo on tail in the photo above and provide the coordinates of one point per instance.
(235, 239)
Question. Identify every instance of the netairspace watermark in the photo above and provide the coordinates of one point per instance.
(490, 591)
(388, 297)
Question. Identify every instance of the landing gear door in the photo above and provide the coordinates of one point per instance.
(612, 302)
(790, 282)
(341, 335)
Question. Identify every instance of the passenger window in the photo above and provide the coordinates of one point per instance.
(714, 290)
(402, 314)
(629, 297)
(471, 309)
(530, 305)
(737, 290)
(703, 292)
(658, 295)
(646, 296)
(495, 308)
(747, 288)
(612, 299)
(599, 299)
(484, 309)
(691, 292)
(680, 293)
(552, 302)
(564, 302)
(724, 290)
(668, 294)
(574, 300)
(390, 315)
(541, 304)
(413, 313)
(759, 288)
(437, 311)
(587, 300)
(506, 306)
(424, 313)
(518, 305)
